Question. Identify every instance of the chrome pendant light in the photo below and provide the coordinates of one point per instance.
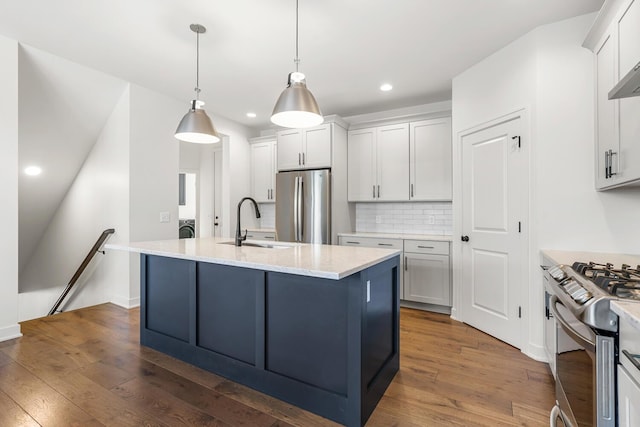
(196, 126)
(296, 107)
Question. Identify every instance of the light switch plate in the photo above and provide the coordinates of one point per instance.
(165, 217)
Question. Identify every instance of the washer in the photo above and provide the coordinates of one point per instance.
(187, 228)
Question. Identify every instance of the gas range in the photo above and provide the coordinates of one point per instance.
(587, 289)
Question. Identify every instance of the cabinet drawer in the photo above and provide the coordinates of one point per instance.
(371, 242)
(630, 344)
(426, 247)
(261, 235)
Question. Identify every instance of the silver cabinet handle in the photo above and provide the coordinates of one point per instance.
(299, 160)
(269, 238)
(378, 191)
(633, 358)
(374, 191)
(303, 161)
(353, 243)
(405, 264)
(611, 154)
(425, 247)
(385, 244)
(606, 165)
(411, 190)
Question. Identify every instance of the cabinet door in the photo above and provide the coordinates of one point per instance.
(607, 127)
(317, 147)
(628, 399)
(430, 154)
(426, 279)
(361, 161)
(289, 149)
(262, 171)
(629, 108)
(392, 153)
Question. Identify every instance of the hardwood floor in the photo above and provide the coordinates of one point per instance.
(86, 368)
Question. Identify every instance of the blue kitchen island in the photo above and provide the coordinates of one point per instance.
(313, 325)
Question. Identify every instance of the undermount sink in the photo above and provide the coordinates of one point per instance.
(268, 245)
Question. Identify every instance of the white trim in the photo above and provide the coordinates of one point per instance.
(127, 303)
(10, 332)
(457, 312)
(536, 352)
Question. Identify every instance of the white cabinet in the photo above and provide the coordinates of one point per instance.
(378, 160)
(606, 110)
(425, 269)
(617, 51)
(263, 170)
(430, 159)
(427, 272)
(304, 148)
(628, 399)
(261, 235)
(375, 242)
(629, 375)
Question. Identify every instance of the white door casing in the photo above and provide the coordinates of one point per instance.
(493, 178)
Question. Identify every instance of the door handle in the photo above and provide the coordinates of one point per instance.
(378, 191)
(464, 238)
(575, 335)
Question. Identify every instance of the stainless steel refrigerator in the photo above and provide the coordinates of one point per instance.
(303, 206)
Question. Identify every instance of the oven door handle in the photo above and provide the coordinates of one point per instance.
(585, 342)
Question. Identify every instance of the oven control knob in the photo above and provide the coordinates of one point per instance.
(557, 273)
(583, 297)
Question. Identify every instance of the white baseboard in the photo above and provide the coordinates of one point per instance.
(536, 352)
(125, 302)
(10, 332)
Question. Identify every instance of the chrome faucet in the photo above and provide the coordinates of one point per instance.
(239, 237)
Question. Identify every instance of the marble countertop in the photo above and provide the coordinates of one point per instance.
(628, 311)
(324, 261)
(569, 257)
(436, 237)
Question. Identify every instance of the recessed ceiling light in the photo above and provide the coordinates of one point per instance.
(251, 115)
(33, 170)
(386, 87)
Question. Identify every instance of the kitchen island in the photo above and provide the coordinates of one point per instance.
(313, 325)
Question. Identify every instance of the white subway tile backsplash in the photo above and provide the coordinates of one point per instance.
(409, 218)
(268, 215)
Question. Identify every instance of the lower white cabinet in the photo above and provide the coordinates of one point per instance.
(427, 272)
(425, 269)
(261, 235)
(628, 399)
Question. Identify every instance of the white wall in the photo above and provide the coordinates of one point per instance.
(97, 199)
(551, 75)
(9, 327)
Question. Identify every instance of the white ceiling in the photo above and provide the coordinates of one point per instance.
(348, 47)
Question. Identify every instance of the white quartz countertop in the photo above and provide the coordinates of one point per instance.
(627, 310)
(569, 257)
(399, 236)
(324, 261)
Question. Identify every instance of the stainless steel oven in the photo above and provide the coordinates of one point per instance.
(586, 340)
(585, 362)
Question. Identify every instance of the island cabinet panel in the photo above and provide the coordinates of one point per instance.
(307, 327)
(226, 310)
(328, 346)
(171, 281)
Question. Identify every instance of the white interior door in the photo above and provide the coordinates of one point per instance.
(491, 205)
(217, 194)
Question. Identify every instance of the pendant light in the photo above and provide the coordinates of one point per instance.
(296, 107)
(196, 126)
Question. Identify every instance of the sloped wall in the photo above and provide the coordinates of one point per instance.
(98, 199)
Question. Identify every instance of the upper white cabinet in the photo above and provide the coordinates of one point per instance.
(378, 160)
(401, 162)
(615, 41)
(304, 148)
(263, 169)
(430, 159)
